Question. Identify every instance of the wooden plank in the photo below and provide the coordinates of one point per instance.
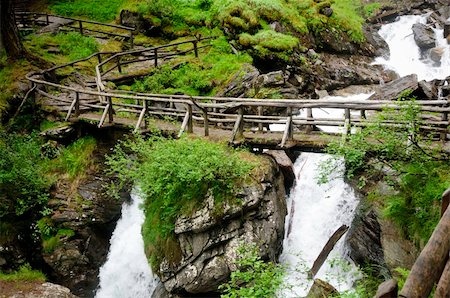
(141, 118)
(102, 119)
(184, 124)
(70, 109)
(443, 287)
(237, 129)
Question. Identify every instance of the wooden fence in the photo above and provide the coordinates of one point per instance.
(84, 27)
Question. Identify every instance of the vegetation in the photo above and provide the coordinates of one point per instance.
(51, 235)
(416, 173)
(23, 183)
(25, 273)
(254, 278)
(176, 176)
(62, 47)
(203, 76)
(98, 10)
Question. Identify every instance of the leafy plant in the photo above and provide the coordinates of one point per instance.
(254, 278)
(24, 274)
(176, 176)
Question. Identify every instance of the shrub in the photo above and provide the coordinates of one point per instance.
(176, 176)
(254, 278)
(24, 274)
(99, 10)
(23, 183)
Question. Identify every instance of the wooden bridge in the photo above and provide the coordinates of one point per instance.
(237, 119)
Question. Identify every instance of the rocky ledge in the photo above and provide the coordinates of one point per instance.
(209, 243)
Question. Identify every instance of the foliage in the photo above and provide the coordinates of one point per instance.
(23, 184)
(24, 274)
(51, 235)
(402, 275)
(71, 46)
(366, 286)
(198, 77)
(401, 155)
(254, 278)
(176, 176)
(371, 9)
(99, 10)
(75, 159)
(266, 42)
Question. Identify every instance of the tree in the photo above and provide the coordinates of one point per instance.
(9, 37)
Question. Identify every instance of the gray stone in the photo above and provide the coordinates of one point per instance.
(326, 11)
(59, 133)
(436, 54)
(388, 289)
(286, 166)
(424, 36)
(273, 79)
(46, 290)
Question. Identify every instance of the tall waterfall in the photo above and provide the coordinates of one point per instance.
(405, 57)
(126, 273)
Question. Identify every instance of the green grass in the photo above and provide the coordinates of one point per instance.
(62, 47)
(75, 159)
(25, 273)
(98, 10)
(176, 176)
(203, 76)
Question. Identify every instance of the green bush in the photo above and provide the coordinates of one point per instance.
(23, 183)
(99, 10)
(176, 176)
(254, 278)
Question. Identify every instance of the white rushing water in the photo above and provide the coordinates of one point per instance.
(315, 212)
(405, 56)
(126, 272)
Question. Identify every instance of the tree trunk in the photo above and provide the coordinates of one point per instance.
(9, 37)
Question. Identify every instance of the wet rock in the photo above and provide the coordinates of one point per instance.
(388, 289)
(321, 289)
(208, 242)
(272, 79)
(160, 292)
(379, 46)
(59, 133)
(447, 29)
(286, 166)
(392, 90)
(436, 54)
(364, 241)
(424, 36)
(429, 89)
(241, 83)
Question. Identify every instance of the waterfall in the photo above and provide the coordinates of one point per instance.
(126, 272)
(405, 56)
(315, 212)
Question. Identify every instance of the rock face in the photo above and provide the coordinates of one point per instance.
(76, 259)
(209, 242)
(286, 166)
(424, 36)
(364, 240)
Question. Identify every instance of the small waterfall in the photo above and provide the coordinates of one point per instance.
(315, 212)
(406, 57)
(126, 273)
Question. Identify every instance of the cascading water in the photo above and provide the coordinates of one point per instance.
(126, 272)
(405, 57)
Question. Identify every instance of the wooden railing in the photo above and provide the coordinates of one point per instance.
(83, 26)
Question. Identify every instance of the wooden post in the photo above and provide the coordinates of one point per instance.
(309, 118)
(190, 124)
(119, 66)
(110, 110)
(363, 114)
(443, 287)
(238, 129)
(430, 264)
(260, 113)
(444, 117)
(205, 122)
(288, 130)
(347, 122)
(77, 104)
(156, 57)
(47, 19)
(195, 48)
(131, 39)
(80, 24)
(99, 57)
(141, 116)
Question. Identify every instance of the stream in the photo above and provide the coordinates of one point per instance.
(315, 211)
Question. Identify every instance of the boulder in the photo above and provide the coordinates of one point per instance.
(424, 36)
(272, 79)
(388, 289)
(378, 45)
(364, 240)
(242, 82)
(393, 89)
(429, 88)
(45, 290)
(59, 133)
(322, 289)
(436, 54)
(208, 242)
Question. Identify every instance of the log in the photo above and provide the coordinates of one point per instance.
(428, 267)
(443, 287)
(445, 201)
(326, 250)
